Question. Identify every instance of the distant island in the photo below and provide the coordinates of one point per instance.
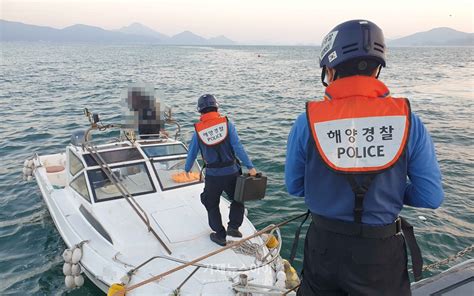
(138, 33)
(436, 37)
(134, 33)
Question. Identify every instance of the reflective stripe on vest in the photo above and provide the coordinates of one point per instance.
(212, 131)
(359, 134)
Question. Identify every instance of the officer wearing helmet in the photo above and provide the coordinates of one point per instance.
(349, 156)
(215, 136)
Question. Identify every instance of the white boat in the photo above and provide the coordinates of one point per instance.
(118, 204)
(456, 281)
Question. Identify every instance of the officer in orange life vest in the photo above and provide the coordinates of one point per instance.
(349, 156)
(215, 136)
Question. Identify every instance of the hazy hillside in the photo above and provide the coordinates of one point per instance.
(84, 33)
(138, 33)
(220, 40)
(437, 36)
(187, 38)
(134, 33)
(15, 31)
(139, 29)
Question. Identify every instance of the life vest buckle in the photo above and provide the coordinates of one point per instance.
(398, 225)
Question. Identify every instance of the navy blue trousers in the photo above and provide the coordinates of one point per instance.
(214, 186)
(340, 265)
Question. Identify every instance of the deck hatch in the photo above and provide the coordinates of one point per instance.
(168, 221)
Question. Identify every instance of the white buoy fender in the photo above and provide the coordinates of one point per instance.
(75, 269)
(25, 164)
(280, 284)
(79, 280)
(67, 269)
(279, 266)
(76, 255)
(69, 281)
(281, 276)
(67, 255)
(31, 163)
(29, 178)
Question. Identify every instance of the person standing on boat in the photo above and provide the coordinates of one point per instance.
(216, 137)
(146, 112)
(349, 156)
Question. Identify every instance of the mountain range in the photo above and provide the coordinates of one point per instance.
(134, 33)
(436, 37)
(138, 33)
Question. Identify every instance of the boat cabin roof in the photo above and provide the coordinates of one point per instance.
(143, 167)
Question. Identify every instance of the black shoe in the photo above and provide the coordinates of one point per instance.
(234, 232)
(218, 240)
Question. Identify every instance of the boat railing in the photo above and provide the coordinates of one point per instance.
(270, 257)
(124, 192)
(87, 144)
(201, 258)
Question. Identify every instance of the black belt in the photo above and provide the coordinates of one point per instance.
(367, 231)
(355, 229)
(218, 165)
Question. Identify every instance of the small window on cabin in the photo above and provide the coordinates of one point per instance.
(171, 173)
(134, 177)
(164, 150)
(79, 184)
(115, 156)
(75, 164)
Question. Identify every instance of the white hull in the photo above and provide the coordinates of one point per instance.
(176, 215)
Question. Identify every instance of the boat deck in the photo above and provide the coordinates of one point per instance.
(456, 281)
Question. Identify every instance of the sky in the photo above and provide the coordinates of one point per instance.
(246, 21)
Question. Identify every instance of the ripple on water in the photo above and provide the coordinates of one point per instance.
(48, 85)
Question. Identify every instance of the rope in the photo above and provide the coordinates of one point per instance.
(251, 249)
(291, 290)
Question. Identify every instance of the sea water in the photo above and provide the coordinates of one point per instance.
(44, 88)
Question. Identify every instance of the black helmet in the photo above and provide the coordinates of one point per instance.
(351, 40)
(206, 101)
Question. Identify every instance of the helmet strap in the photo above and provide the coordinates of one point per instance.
(323, 76)
(378, 72)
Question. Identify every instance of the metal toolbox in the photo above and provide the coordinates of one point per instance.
(250, 187)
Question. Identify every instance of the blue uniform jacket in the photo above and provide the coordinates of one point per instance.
(236, 146)
(423, 189)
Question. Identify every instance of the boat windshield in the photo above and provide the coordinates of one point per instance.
(164, 150)
(115, 156)
(171, 173)
(134, 177)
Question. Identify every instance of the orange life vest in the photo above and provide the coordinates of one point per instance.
(212, 128)
(359, 133)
